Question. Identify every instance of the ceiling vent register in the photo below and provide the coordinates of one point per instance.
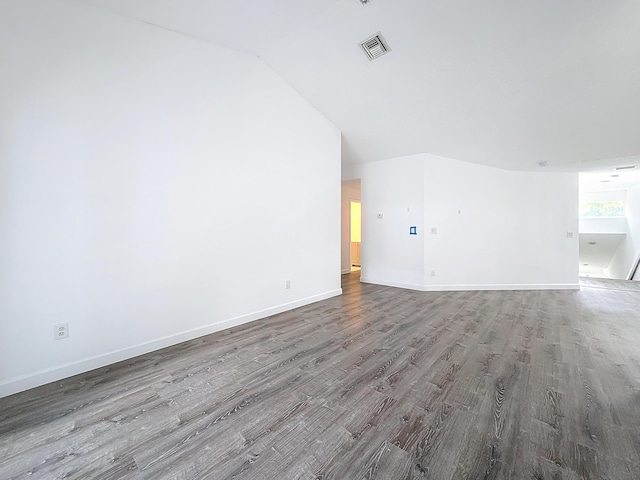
(375, 46)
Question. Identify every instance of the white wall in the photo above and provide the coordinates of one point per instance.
(603, 225)
(624, 259)
(393, 188)
(350, 192)
(510, 232)
(154, 188)
(602, 196)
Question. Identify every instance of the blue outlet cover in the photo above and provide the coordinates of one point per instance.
(413, 230)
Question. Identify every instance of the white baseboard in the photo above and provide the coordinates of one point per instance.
(472, 287)
(515, 286)
(42, 377)
(408, 286)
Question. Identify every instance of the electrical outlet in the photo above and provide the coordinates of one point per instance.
(61, 331)
(287, 284)
(433, 273)
(434, 230)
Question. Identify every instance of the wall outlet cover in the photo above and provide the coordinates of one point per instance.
(61, 331)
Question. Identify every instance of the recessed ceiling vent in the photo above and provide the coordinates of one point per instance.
(375, 46)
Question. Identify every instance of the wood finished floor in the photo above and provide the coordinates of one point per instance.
(378, 383)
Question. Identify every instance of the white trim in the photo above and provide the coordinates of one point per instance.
(463, 287)
(346, 270)
(409, 286)
(515, 286)
(42, 377)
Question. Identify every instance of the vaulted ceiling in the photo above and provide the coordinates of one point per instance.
(509, 83)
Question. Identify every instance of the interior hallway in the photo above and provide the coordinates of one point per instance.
(378, 383)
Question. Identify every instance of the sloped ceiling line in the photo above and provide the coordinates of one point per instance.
(506, 84)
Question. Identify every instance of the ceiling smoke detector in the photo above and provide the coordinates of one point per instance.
(375, 46)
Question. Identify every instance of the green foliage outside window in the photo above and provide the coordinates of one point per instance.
(602, 209)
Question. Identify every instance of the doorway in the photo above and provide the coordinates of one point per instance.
(351, 230)
(608, 223)
(355, 235)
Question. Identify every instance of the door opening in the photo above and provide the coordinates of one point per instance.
(356, 235)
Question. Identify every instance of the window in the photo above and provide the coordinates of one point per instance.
(602, 209)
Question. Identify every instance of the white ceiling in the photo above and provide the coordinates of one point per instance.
(595, 258)
(609, 180)
(508, 83)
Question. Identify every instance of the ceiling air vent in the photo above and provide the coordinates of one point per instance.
(375, 46)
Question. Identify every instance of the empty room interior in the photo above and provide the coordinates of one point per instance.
(319, 239)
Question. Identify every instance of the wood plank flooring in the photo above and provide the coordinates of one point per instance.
(378, 383)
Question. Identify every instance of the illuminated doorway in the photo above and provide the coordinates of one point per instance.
(356, 235)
